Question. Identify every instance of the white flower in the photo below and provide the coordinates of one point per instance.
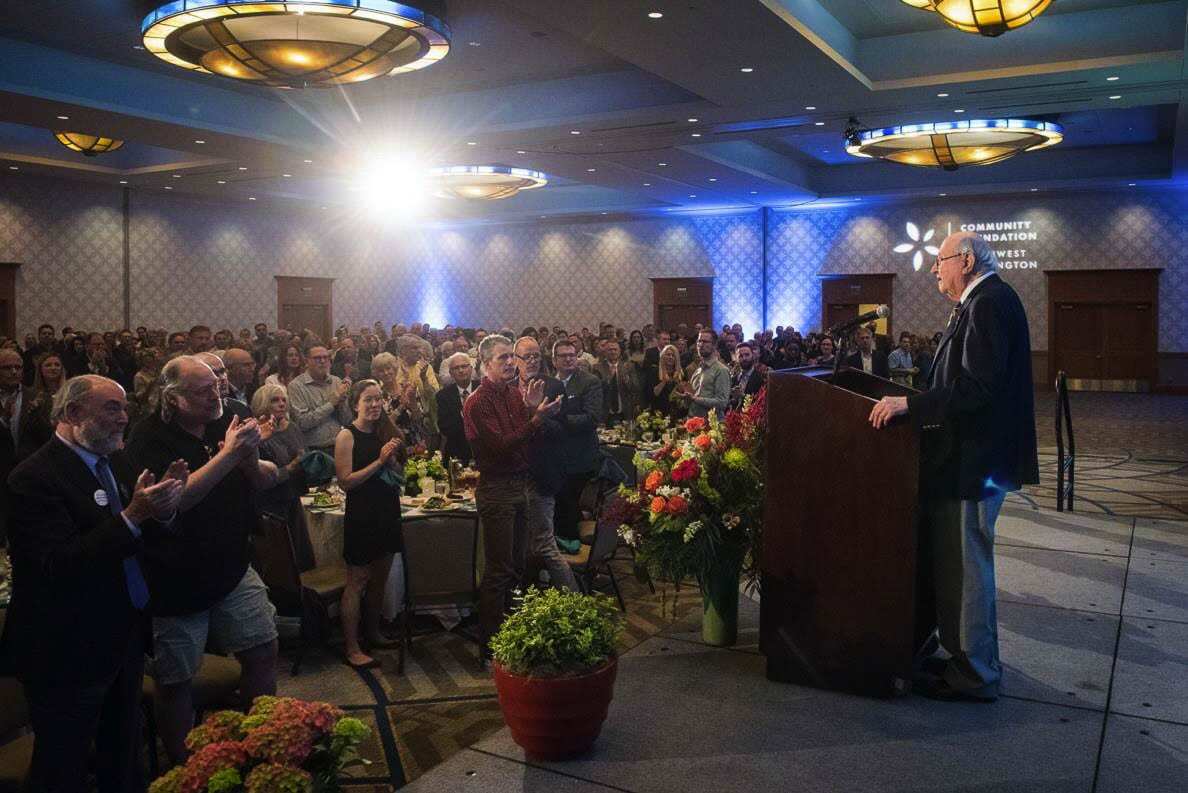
(692, 529)
(628, 534)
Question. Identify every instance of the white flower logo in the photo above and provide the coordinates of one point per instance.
(917, 244)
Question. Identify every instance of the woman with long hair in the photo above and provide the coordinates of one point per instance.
(48, 375)
(635, 348)
(285, 447)
(665, 396)
(289, 364)
(363, 451)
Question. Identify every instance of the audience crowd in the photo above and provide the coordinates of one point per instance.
(211, 429)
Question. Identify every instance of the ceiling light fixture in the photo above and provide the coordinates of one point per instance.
(472, 143)
(951, 144)
(1131, 184)
(251, 198)
(200, 141)
(695, 135)
(1116, 96)
(692, 195)
(818, 123)
(647, 184)
(959, 110)
(177, 176)
(655, 15)
(295, 45)
(1035, 189)
(13, 168)
(88, 145)
(692, 120)
(591, 170)
(309, 162)
(287, 175)
(810, 107)
(520, 151)
(222, 181)
(1108, 79)
(243, 167)
(483, 182)
(63, 118)
(942, 95)
(987, 17)
(575, 132)
(754, 192)
(123, 181)
(662, 164)
(713, 178)
(167, 187)
(746, 70)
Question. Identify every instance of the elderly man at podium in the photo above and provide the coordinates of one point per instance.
(977, 416)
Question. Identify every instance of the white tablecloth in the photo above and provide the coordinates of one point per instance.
(325, 535)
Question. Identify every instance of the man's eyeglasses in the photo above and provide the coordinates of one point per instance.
(939, 259)
(532, 356)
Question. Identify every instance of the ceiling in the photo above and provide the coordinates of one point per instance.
(523, 76)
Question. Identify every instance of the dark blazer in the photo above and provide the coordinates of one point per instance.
(878, 363)
(449, 421)
(980, 400)
(33, 431)
(628, 385)
(751, 383)
(581, 410)
(70, 620)
(548, 447)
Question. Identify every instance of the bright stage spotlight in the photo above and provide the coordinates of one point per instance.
(392, 188)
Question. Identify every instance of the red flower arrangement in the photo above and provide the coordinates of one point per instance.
(282, 745)
(695, 424)
(685, 470)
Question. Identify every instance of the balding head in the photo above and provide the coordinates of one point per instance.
(190, 391)
(92, 412)
(241, 367)
(218, 367)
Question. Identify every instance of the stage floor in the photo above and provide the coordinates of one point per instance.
(1093, 624)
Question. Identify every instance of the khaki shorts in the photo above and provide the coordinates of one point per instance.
(244, 619)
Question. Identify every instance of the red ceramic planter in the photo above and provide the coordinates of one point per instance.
(555, 718)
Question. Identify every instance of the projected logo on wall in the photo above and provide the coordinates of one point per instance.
(918, 245)
(999, 233)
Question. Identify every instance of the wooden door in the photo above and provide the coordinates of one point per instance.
(672, 317)
(1079, 340)
(8, 274)
(305, 303)
(1126, 330)
(682, 300)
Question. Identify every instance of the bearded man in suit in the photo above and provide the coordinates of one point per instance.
(977, 417)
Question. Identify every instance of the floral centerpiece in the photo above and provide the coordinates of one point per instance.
(422, 465)
(651, 423)
(281, 745)
(697, 511)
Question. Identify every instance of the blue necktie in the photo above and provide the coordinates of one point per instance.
(137, 588)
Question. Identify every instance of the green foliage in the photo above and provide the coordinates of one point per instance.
(556, 633)
(226, 781)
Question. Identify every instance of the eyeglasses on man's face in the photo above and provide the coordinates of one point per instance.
(939, 259)
(532, 356)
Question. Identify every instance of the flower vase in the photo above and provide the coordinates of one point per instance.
(719, 605)
(426, 483)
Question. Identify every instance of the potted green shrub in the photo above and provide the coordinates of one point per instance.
(554, 668)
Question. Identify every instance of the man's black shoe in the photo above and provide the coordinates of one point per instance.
(943, 692)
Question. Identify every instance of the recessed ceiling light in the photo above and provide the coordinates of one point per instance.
(754, 192)
(942, 95)
(123, 181)
(810, 107)
(471, 143)
(251, 198)
(602, 213)
(1131, 184)
(167, 187)
(1035, 189)
(647, 184)
(591, 170)
(13, 168)
(692, 195)
(959, 110)
(575, 132)
(942, 195)
(243, 167)
(1116, 96)
(63, 118)
(695, 135)
(177, 176)
(662, 164)
(309, 162)
(655, 15)
(692, 120)
(475, 43)
(818, 123)
(137, 47)
(1111, 79)
(287, 175)
(520, 151)
(200, 141)
(713, 178)
(222, 181)
(746, 70)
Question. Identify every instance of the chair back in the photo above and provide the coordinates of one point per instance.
(624, 455)
(606, 540)
(439, 560)
(276, 562)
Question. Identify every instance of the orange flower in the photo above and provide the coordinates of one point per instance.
(653, 481)
(658, 504)
(695, 424)
(676, 454)
(703, 441)
(677, 505)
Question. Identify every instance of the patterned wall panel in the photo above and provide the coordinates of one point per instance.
(69, 240)
(1034, 234)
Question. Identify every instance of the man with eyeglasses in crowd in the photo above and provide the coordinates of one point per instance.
(319, 402)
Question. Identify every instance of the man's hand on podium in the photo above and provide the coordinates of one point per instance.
(886, 409)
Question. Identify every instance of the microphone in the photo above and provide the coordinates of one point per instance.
(879, 313)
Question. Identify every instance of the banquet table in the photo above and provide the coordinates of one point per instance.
(326, 534)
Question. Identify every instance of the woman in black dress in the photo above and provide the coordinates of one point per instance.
(363, 451)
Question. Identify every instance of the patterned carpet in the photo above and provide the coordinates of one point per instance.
(443, 703)
(1132, 461)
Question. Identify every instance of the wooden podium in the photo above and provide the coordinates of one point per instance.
(839, 535)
